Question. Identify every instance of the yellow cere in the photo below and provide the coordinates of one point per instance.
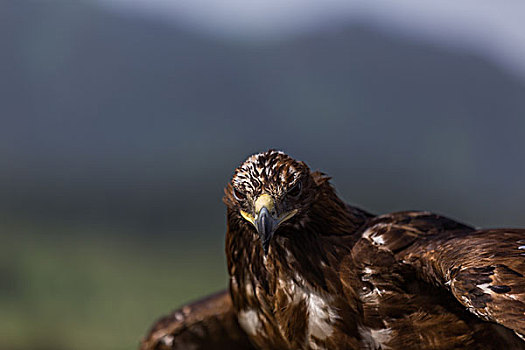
(264, 201)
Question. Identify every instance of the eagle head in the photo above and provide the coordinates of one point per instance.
(270, 191)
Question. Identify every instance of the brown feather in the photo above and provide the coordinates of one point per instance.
(209, 323)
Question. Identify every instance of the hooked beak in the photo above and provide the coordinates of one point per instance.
(266, 219)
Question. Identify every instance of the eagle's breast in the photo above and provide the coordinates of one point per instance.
(315, 307)
(292, 314)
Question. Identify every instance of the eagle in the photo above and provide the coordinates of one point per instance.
(308, 271)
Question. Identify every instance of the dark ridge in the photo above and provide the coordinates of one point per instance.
(500, 289)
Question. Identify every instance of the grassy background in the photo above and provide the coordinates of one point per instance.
(96, 290)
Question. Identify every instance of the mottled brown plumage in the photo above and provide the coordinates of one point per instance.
(308, 271)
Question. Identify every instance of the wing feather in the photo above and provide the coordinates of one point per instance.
(209, 323)
(484, 270)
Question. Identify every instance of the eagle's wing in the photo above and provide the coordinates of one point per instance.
(484, 270)
(210, 323)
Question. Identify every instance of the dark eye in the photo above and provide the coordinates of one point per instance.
(238, 195)
(295, 190)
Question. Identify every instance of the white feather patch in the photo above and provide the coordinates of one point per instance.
(485, 288)
(249, 289)
(167, 340)
(375, 338)
(378, 240)
(370, 234)
(320, 317)
(249, 321)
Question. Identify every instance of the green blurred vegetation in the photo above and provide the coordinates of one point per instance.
(69, 288)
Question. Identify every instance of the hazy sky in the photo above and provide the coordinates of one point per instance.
(495, 29)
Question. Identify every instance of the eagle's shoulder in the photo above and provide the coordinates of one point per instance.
(397, 231)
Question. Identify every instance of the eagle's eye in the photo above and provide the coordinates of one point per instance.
(238, 195)
(295, 190)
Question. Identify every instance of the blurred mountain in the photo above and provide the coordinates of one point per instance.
(109, 119)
